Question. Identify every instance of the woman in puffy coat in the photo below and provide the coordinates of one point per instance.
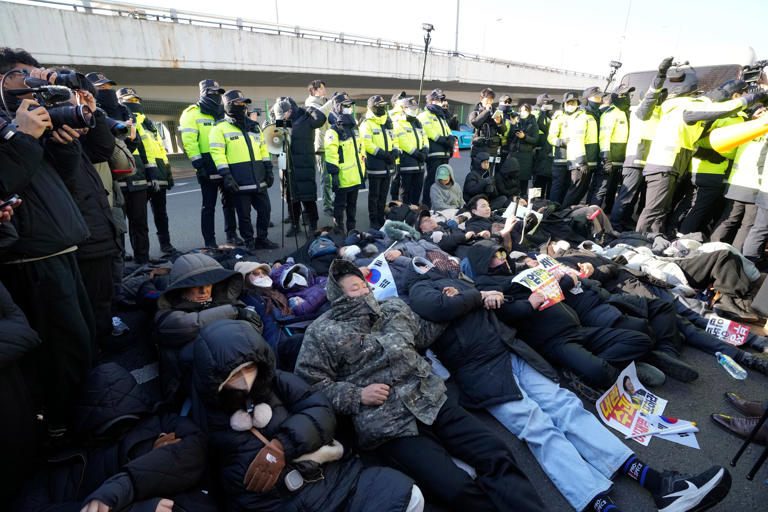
(305, 290)
(268, 434)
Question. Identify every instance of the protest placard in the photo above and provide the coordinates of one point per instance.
(727, 330)
(539, 280)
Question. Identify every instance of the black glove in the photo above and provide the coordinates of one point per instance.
(419, 156)
(198, 164)
(451, 142)
(386, 156)
(397, 152)
(335, 182)
(665, 65)
(607, 167)
(250, 316)
(269, 177)
(229, 183)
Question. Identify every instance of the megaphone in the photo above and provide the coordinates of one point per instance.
(275, 138)
(729, 137)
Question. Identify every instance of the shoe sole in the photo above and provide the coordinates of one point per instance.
(671, 369)
(734, 316)
(709, 495)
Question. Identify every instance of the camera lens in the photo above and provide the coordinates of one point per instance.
(118, 128)
(79, 116)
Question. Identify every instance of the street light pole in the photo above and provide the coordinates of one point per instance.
(428, 28)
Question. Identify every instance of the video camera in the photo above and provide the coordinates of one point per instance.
(751, 74)
(56, 99)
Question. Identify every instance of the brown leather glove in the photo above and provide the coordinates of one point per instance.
(165, 439)
(265, 468)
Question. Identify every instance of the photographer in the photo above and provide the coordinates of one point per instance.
(523, 137)
(40, 270)
(94, 256)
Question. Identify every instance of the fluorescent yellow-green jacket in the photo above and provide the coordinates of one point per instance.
(435, 126)
(377, 140)
(195, 128)
(345, 157)
(707, 164)
(558, 136)
(746, 177)
(614, 133)
(244, 155)
(410, 139)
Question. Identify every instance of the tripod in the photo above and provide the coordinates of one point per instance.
(286, 169)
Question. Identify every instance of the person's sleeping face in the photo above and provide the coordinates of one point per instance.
(197, 293)
(427, 224)
(353, 286)
(482, 209)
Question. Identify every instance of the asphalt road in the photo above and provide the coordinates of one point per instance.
(695, 401)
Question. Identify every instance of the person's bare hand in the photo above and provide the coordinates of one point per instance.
(537, 299)
(365, 271)
(485, 234)
(468, 235)
(374, 394)
(587, 269)
(132, 134)
(87, 99)
(32, 122)
(575, 279)
(450, 291)
(492, 299)
(164, 505)
(509, 225)
(65, 134)
(95, 506)
(520, 135)
(43, 74)
(392, 255)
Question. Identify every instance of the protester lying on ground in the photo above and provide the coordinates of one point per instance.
(596, 355)
(304, 290)
(272, 438)
(201, 291)
(363, 355)
(447, 235)
(485, 224)
(445, 192)
(503, 374)
(129, 458)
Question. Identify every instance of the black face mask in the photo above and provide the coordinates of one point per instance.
(135, 108)
(210, 104)
(237, 112)
(594, 105)
(379, 110)
(107, 100)
(622, 103)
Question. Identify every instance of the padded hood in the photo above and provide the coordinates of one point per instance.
(480, 255)
(199, 269)
(224, 346)
(109, 394)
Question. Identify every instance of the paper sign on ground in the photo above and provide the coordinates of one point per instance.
(539, 280)
(727, 330)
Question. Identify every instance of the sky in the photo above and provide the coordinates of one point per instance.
(557, 33)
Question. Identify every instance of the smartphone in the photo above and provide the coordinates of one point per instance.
(10, 201)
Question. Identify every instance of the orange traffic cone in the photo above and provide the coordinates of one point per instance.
(729, 137)
(456, 153)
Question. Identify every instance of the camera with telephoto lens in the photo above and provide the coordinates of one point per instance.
(56, 100)
(751, 74)
(118, 128)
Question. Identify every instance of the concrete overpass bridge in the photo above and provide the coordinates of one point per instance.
(163, 53)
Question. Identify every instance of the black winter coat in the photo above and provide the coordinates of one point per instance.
(88, 191)
(48, 220)
(475, 347)
(304, 122)
(118, 464)
(487, 134)
(302, 421)
(556, 323)
(477, 181)
(17, 429)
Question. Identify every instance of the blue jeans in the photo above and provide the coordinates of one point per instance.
(574, 449)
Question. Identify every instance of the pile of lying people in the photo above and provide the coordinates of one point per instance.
(289, 386)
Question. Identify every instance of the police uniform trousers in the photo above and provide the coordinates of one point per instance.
(660, 190)
(627, 198)
(345, 201)
(378, 188)
(260, 202)
(138, 229)
(210, 187)
(736, 222)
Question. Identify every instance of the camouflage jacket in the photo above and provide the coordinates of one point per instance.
(361, 341)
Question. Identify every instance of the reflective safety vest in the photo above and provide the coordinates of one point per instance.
(558, 131)
(434, 127)
(345, 157)
(242, 154)
(377, 140)
(195, 128)
(582, 130)
(614, 133)
(708, 161)
(410, 138)
(746, 176)
(673, 142)
(149, 144)
(504, 133)
(641, 132)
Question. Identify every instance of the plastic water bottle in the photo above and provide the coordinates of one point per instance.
(731, 366)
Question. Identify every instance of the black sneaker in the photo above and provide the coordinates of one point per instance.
(684, 493)
(672, 366)
(264, 243)
(168, 249)
(575, 384)
(235, 240)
